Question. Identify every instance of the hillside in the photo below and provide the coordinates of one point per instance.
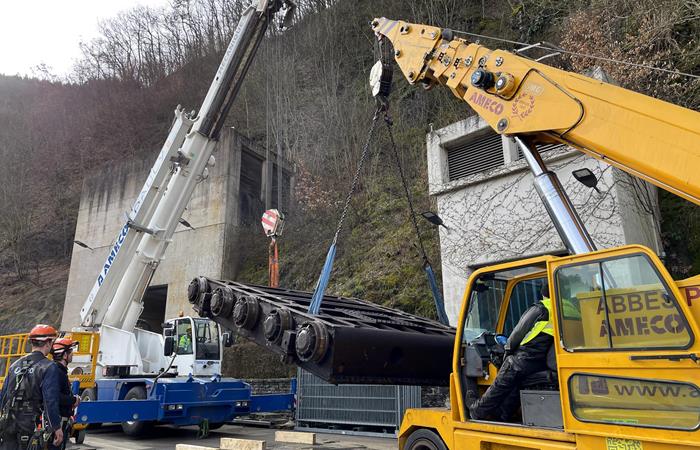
(307, 94)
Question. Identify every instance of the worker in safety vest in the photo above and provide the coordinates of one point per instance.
(526, 353)
(29, 415)
(184, 345)
(62, 353)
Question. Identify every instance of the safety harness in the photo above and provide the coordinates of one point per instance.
(19, 402)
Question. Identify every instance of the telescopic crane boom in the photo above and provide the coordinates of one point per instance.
(538, 104)
(116, 297)
(644, 136)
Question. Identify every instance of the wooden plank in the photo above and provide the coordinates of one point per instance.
(295, 437)
(241, 444)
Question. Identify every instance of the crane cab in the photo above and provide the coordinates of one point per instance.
(195, 345)
(624, 372)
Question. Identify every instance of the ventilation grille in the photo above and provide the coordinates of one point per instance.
(542, 149)
(474, 156)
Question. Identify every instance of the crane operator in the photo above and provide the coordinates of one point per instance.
(526, 351)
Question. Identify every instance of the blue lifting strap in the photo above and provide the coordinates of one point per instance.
(322, 283)
(437, 298)
(316, 300)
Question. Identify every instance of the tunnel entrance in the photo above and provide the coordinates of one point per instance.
(153, 315)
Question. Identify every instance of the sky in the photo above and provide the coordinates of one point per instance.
(49, 31)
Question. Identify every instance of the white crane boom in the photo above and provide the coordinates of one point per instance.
(116, 297)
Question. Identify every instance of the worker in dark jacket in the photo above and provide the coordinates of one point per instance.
(29, 398)
(526, 352)
(62, 353)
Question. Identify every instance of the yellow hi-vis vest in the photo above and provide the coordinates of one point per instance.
(543, 326)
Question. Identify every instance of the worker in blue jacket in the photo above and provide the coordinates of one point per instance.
(29, 413)
(62, 354)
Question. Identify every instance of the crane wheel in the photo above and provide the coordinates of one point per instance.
(135, 428)
(424, 439)
(90, 395)
(80, 437)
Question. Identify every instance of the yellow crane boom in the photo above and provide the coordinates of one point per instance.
(646, 137)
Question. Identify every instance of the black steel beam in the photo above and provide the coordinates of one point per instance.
(350, 341)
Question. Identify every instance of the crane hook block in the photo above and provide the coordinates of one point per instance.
(380, 79)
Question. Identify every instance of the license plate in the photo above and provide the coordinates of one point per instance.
(623, 444)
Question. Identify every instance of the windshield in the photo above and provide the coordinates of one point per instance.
(484, 304)
(207, 336)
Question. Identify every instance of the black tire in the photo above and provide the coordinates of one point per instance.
(80, 437)
(90, 395)
(423, 439)
(136, 427)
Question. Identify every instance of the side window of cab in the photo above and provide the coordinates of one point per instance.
(524, 294)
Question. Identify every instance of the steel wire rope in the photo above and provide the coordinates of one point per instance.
(389, 126)
(427, 266)
(356, 178)
(322, 283)
(583, 55)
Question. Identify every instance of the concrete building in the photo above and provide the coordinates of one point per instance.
(488, 202)
(239, 188)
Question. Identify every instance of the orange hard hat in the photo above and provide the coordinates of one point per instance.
(63, 345)
(43, 333)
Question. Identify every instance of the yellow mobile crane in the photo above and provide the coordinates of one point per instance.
(627, 346)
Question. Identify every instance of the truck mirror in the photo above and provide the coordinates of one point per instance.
(169, 346)
(168, 332)
(229, 339)
(481, 287)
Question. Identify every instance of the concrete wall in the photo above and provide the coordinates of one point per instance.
(496, 215)
(208, 250)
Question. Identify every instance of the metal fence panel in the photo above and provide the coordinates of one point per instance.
(349, 405)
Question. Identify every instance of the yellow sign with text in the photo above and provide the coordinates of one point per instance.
(638, 317)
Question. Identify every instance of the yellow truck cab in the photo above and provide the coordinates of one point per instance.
(627, 370)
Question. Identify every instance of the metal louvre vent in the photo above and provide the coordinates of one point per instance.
(543, 148)
(474, 156)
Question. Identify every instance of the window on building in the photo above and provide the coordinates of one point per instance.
(618, 303)
(635, 402)
(478, 154)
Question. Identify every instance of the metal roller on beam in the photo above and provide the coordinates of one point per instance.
(349, 341)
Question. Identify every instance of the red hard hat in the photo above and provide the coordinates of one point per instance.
(63, 345)
(43, 333)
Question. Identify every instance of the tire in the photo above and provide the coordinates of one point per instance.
(90, 395)
(80, 437)
(423, 439)
(136, 427)
(216, 426)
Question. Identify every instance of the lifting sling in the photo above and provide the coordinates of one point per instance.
(322, 283)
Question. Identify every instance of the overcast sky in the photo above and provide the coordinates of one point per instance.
(48, 31)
